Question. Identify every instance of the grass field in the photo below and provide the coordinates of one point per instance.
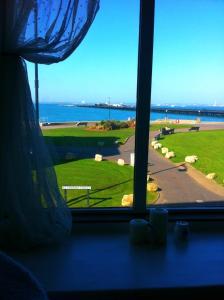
(84, 137)
(156, 127)
(88, 138)
(109, 182)
(207, 145)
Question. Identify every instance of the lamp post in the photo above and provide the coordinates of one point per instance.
(36, 81)
(199, 119)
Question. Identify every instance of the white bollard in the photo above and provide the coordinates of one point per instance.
(132, 159)
(98, 157)
(120, 162)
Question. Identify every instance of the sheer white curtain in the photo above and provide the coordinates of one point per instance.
(32, 211)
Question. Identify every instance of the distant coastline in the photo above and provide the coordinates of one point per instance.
(66, 112)
(161, 109)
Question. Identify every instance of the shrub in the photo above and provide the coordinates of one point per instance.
(112, 125)
(124, 125)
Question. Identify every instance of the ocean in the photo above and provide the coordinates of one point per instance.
(69, 113)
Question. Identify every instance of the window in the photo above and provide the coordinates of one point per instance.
(94, 90)
(184, 49)
(186, 163)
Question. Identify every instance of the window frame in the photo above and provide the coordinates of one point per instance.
(143, 105)
(198, 212)
(189, 213)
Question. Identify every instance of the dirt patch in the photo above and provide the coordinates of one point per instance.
(56, 126)
(96, 129)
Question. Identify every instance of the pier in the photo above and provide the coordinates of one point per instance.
(165, 110)
(186, 111)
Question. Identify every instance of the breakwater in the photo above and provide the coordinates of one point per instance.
(165, 110)
(59, 112)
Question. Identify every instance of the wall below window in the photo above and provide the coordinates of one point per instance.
(98, 262)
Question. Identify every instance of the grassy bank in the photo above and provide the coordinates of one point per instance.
(84, 137)
(109, 182)
(80, 137)
(207, 145)
(156, 127)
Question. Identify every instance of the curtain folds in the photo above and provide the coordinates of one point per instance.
(32, 211)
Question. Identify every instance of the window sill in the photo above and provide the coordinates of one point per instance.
(181, 212)
(98, 260)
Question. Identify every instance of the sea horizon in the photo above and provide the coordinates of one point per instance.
(70, 112)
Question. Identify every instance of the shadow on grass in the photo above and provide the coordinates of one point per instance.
(77, 141)
(83, 197)
(81, 147)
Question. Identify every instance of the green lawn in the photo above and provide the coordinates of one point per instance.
(207, 145)
(84, 137)
(156, 127)
(88, 138)
(108, 180)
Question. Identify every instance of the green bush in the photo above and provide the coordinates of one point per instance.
(124, 125)
(112, 125)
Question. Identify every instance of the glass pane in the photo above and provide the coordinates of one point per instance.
(87, 110)
(186, 161)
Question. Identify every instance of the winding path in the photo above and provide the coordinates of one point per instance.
(175, 186)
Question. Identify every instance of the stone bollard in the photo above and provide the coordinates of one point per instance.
(98, 157)
(164, 150)
(127, 200)
(211, 175)
(170, 154)
(152, 187)
(120, 162)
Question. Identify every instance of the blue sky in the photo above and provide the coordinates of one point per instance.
(188, 65)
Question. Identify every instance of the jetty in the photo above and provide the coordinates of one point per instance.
(187, 111)
(165, 110)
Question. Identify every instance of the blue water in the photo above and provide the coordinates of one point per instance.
(65, 113)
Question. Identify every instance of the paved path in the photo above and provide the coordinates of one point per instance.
(176, 186)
